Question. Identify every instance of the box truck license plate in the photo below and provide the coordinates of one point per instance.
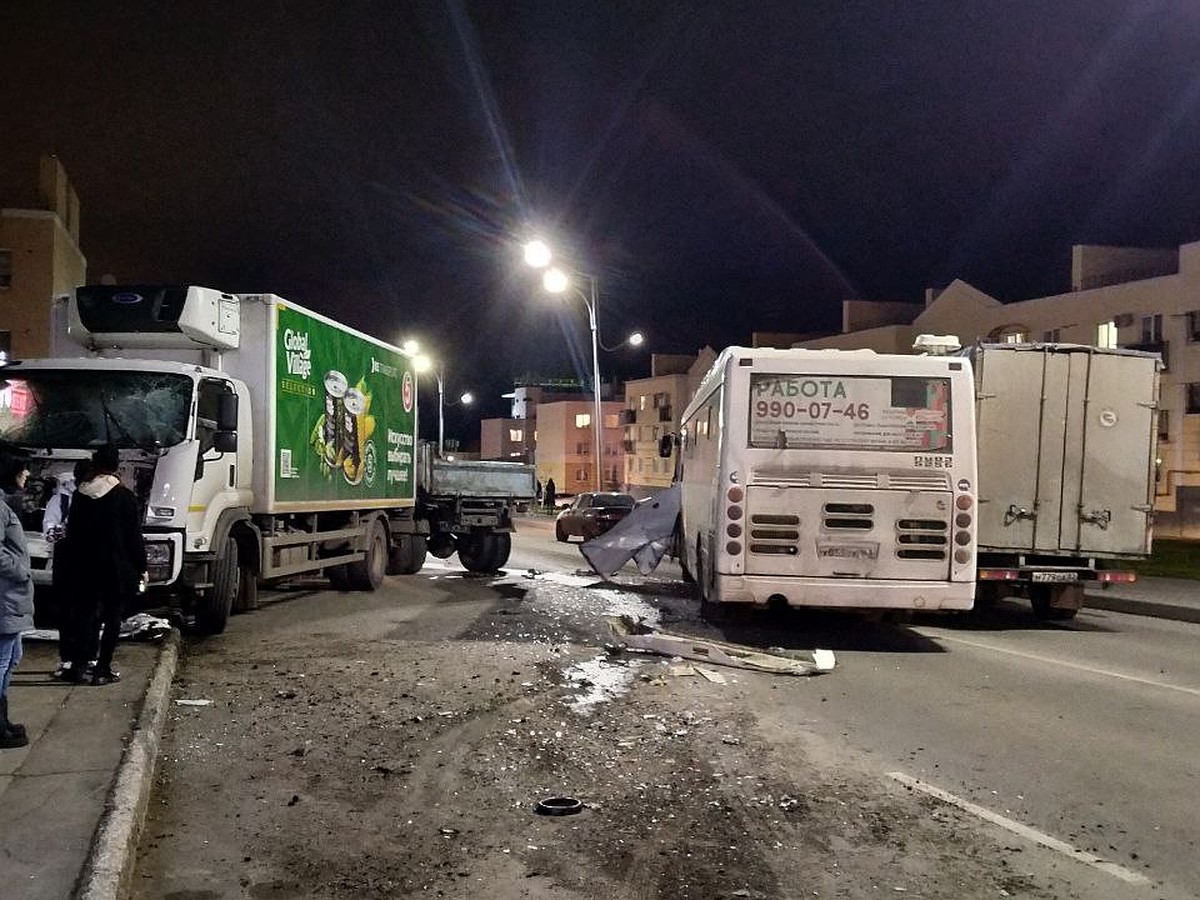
(1056, 577)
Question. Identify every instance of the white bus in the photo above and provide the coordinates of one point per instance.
(829, 478)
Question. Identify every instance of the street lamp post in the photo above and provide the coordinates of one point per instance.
(425, 364)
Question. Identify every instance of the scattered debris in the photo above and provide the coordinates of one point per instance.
(558, 806)
(193, 703)
(638, 636)
(643, 536)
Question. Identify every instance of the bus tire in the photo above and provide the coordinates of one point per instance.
(214, 605)
(679, 545)
(367, 574)
(710, 611)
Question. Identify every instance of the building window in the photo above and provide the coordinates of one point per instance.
(642, 402)
(1194, 325)
(1152, 329)
(1164, 425)
(1053, 336)
(583, 448)
(1013, 337)
(581, 474)
(1106, 335)
(516, 435)
(612, 421)
(1193, 398)
(583, 420)
(5, 269)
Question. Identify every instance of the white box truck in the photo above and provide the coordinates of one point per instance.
(1066, 438)
(261, 439)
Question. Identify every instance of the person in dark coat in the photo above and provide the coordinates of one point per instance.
(16, 590)
(76, 607)
(549, 493)
(105, 532)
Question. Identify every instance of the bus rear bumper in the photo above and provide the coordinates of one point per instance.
(856, 593)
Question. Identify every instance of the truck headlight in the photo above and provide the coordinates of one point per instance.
(158, 560)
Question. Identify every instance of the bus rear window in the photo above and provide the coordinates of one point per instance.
(850, 412)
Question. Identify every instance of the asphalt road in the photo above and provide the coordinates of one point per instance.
(1070, 746)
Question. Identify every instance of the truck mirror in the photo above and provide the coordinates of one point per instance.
(666, 444)
(225, 441)
(227, 411)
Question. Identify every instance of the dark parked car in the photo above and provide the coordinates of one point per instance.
(592, 514)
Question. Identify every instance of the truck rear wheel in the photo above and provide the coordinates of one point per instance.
(408, 554)
(214, 605)
(482, 552)
(367, 574)
(501, 548)
(247, 593)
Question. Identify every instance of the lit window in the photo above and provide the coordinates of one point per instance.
(1106, 335)
(642, 402)
(583, 420)
(516, 435)
(1013, 337)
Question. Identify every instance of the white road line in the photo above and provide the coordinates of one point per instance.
(1032, 834)
(1050, 660)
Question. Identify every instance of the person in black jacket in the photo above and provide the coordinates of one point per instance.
(16, 589)
(106, 545)
(76, 609)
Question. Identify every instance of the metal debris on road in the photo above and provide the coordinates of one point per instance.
(638, 636)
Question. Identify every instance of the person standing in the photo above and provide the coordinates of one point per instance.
(549, 492)
(105, 532)
(16, 591)
(72, 595)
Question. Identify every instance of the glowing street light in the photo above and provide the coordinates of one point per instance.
(423, 364)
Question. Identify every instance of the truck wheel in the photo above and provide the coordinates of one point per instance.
(501, 543)
(247, 594)
(475, 552)
(214, 605)
(339, 577)
(1045, 597)
(408, 554)
(367, 574)
(441, 545)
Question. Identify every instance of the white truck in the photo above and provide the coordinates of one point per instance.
(262, 441)
(1066, 438)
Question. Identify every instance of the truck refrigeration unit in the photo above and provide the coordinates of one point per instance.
(262, 441)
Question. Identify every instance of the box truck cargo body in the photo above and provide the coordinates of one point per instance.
(1066, 443)
(262, 439)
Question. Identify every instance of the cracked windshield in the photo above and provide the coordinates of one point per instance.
(85, 409)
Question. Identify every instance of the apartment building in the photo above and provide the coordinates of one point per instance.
(40, 258)
(1145, 299)
(652, 409)
(566, 445)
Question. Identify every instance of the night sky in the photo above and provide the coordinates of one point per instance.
(721, 167)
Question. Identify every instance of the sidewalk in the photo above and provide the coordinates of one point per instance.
(1161, 598)
(73, 800)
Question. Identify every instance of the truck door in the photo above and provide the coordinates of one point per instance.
(1009, 425)
(1110, 502)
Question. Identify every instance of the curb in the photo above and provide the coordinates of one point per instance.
(109, 868)
(1142, 608)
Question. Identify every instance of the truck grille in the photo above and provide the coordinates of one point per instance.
(775, 534)
(922, 539)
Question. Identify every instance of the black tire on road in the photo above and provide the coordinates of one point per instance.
(247, 595)
(710, 611)
(560, 533)
(215, 603)
(339, 577)
(407, 555)
(475, 552)
(680, 552)
(1041, 596)
(501, 543)
(367, 574)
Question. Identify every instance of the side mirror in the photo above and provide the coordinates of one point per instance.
(666, 445)
(227, 412)
(225, 441)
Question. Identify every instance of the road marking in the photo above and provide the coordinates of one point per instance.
(1025, 831)
(1049, 660)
